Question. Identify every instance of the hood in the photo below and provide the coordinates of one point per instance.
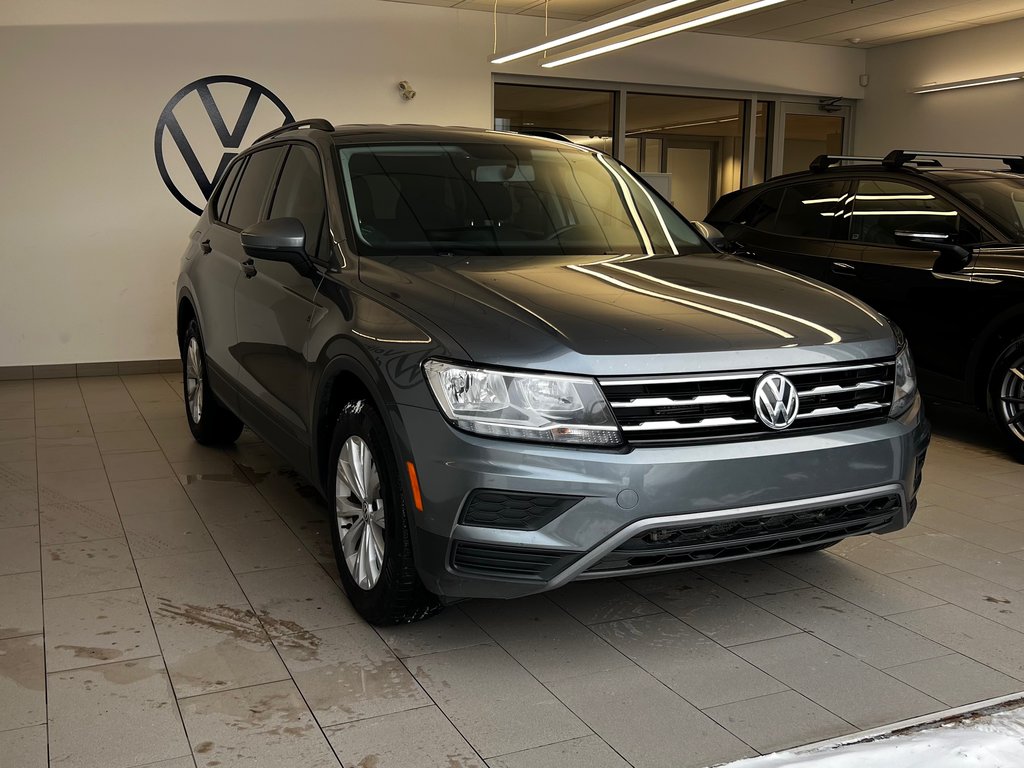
(606, 314)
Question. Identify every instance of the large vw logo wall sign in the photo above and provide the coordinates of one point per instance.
(193, 143)
(775, 401)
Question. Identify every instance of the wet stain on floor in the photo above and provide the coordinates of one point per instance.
(86, 652)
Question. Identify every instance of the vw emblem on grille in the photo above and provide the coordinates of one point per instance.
(775, 401)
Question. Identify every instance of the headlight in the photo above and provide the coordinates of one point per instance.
(906, 383)
(550, 409)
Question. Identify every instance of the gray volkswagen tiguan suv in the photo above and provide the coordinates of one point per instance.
(508, 364)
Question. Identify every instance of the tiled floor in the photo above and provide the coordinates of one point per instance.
(162, 604)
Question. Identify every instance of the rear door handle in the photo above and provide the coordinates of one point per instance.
(842, 268)
(205, 246)
(249, 268)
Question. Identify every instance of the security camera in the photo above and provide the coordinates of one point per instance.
(407, 90)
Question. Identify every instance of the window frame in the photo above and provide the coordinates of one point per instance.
(845, 186)
(323, 251)
(226, 189)
(263, 207)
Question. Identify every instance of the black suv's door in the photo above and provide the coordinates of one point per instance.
(923, 288)
(792, 226)
(274, 306)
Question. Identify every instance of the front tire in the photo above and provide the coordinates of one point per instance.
(211, 423)
(1006, 396)
(369, 526)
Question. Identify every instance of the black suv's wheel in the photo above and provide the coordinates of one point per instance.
(211, 423)
(1006, 395)
(370, 530)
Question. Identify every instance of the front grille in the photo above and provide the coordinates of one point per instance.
(514, 510)
(509, 562)
(678, 409)
(761, 534)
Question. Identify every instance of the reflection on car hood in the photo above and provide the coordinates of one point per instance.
(566, 312)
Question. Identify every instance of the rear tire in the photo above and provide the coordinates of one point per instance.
(1006, 396)
(369, 525)
(211, 423)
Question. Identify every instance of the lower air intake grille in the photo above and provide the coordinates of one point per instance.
(514, 511)
(763, 534)
(509, 562)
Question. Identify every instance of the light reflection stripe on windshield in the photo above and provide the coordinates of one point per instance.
(633, 212)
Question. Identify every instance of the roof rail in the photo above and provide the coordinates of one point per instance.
(824, 162)
(899, 157)
(318, 123)
(541, 134)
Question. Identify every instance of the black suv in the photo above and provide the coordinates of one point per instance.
(939, 251)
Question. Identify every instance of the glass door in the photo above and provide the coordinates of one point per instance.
(804, 131)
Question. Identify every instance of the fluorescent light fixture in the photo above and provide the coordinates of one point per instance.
(660, 30)
(662, 7)
(936, 87)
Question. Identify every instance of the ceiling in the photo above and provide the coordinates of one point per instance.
(828, 22)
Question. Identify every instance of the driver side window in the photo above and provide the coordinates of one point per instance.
(896, 214)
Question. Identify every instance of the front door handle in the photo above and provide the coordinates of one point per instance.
(842, 268)
(249, 268)
(205, 246)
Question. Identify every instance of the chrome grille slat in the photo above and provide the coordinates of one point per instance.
(686, 408)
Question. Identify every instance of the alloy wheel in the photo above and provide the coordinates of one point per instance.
(1011, 399)
(360, 512)
(194, 379)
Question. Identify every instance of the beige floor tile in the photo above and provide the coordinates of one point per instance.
(18, 429)
(77, 485)
(22, 682)
(55, 417)
(19, 549)
(157, 495)
(253, 542)
(686, 737)
(989, 535)
(60, 457)
(196, 578)
(984, 563)
(417, 738)
(587, 752)
(18, 476)
(18, 392)
(71, 434)
(86, 630)
(348, 673)
(89, 566)
(592, 602)
(879, 555)
(956, 680)
(447, 631)
(985, 598)
(262, 725)
(127, 441)
(779, 721)
(295, 599)
(117, 422)
(751, 578)
(21, 605)
(496, 705)
(171, 532)
(145, 465)
(70, 521)
(19, 508)
(24, 747)
(670, 651)
(115, 715)
(211, 648)
(18, 449)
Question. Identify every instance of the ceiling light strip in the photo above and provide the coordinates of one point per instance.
(995, 79)
(662, 30)
(583, 34)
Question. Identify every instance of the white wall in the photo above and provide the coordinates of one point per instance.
(89, 236)
(984, 119)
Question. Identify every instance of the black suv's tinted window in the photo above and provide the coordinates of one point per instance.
(221, 207)
(300, 194)
(810, 209)
(893, 213)
(760, 214)
(252, 187)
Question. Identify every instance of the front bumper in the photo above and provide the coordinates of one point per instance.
(733, 489)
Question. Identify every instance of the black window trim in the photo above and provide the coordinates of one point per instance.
(262, 215)
(269, 202)
(239, 162)
(785, 187)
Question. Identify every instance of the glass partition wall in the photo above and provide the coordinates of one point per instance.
(693, 149)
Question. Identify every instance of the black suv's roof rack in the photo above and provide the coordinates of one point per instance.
(318, 123)
(900, 157)
(824, 162)
(541, 134)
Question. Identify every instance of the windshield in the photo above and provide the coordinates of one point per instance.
(509, 199)
(1002, 199)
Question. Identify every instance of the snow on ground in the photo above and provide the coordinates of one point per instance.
(976, 741)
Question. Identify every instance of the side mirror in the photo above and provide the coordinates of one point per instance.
(952, 257)
(277, 240)
(713, 235)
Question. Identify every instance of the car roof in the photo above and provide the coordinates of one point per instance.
(371, 133)
(935, 173)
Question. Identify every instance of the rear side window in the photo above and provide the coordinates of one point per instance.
(223, 204)
(891, 213)
(300, 194)
(252, 187)
(810, 210)
(761, 213)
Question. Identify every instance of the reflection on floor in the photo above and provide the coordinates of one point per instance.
(162, 603)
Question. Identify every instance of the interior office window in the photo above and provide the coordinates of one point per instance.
(221, 207)
(584, 116)
(807, 136)
(300, 194)
(252, 187)
(892, 213)
(762, 123)
(811, 209)
(699, 142)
